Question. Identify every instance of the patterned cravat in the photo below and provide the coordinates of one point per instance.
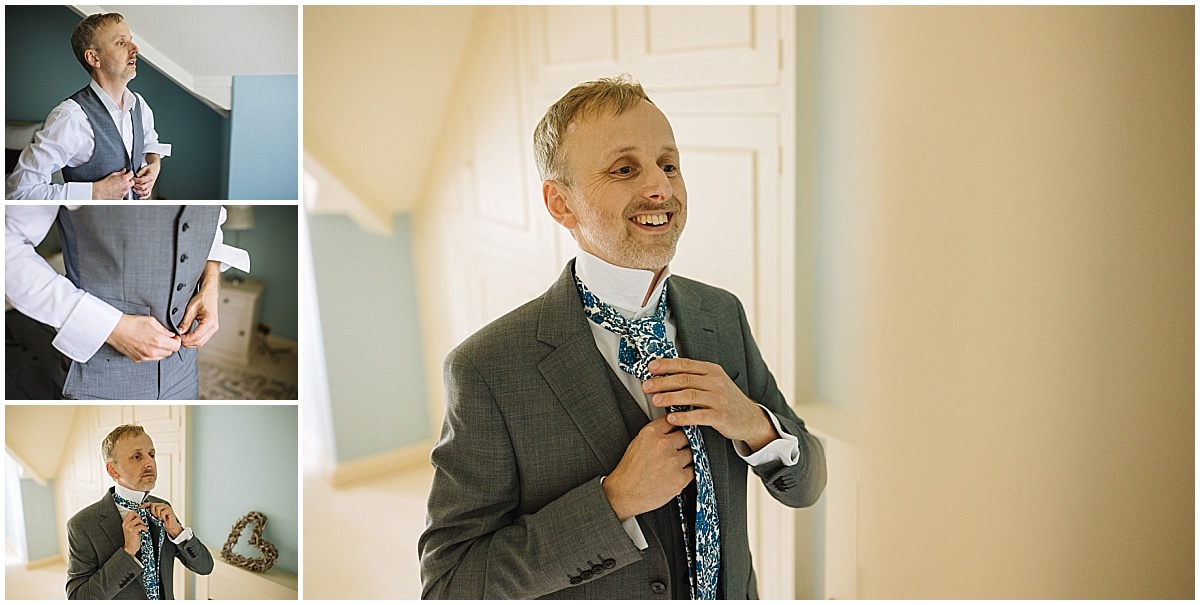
(146, 554)
(642, 341)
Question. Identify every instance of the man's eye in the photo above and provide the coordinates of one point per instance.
(624, 170)
(670, 168)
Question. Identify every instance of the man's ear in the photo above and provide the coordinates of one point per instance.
(111, 468)
(555, 195)
(92, 57)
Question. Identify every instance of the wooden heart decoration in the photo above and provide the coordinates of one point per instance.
(268, 550)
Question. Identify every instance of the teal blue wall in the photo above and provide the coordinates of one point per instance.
(41, 522)
(264, 143)
(272, 245)
(367, 294)
(40, 71)
(245, 458)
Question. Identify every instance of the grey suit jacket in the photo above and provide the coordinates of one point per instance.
(99, 568)
(532, 424)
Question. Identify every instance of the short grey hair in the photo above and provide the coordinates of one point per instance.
(83, 37)
(616, 95)
(117, 434)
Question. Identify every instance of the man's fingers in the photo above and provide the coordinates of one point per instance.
(200, 335)
(189, 316)
(677, 365)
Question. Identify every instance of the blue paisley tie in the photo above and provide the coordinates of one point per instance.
(642, 341)
(146, 554)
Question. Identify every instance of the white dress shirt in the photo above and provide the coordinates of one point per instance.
(34, 288)
(67, 140)
(139, 497)
(624, 289)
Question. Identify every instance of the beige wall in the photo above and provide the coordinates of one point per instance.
(1004, 290)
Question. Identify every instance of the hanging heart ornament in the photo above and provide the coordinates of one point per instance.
(268, 550)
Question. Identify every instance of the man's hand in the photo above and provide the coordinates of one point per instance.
(143, 338)
(203, 308)
(656, 466)
(133, 527)
(715, 400)
(143, 183)
(115, 186)
(163, 513)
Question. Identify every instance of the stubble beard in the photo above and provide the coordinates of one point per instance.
(622, 248)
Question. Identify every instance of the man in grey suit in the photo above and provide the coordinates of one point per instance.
(125, 545)
(558, 470)
(139, 298)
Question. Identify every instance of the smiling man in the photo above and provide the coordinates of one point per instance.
(597, 439)
(125, 545)
(102, 137)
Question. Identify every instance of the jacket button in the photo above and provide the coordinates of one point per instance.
(175, 311)
(597, 569)
(658, 587)
(609, 564)
(576, 580)
(179, 288)
(185, 226)
(183, 258)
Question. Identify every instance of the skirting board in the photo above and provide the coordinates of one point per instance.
(405, 458)
(44, 562)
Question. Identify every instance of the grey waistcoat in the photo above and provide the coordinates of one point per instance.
(143, 260)
(109, 155)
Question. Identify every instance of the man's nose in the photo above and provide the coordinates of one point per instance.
(658, 185)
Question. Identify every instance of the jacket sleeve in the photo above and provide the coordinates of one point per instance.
(801, 484)
(195, 556)
(91, 577)
(478, 543)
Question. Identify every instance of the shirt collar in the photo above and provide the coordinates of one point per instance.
(620, 287)
(126, 99)
(129, 494)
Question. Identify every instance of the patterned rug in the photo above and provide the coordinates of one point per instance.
(220, 382)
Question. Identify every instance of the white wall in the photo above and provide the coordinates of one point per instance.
(1004, 295)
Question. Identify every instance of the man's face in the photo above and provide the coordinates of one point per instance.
(627, 203)
(116, 53)
(134, 466)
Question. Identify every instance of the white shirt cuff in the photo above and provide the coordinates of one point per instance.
(786, 449)
(86, 328)
(230, 257)
(77, 191)
(183, 536)
(162, 149)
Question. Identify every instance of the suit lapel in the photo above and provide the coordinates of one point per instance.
(576, 371)
(110, 520)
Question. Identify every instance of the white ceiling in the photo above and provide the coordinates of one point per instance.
(203, 47)
(377, 81)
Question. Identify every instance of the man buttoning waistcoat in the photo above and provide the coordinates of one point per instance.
(102, 137)
(139, 297)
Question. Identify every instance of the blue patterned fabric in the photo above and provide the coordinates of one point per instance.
(146, 554)
(642, 341)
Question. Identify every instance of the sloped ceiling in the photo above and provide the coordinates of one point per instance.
(202, 47)
(377, 81)
(36, 436)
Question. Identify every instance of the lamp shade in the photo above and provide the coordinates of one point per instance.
(238, 218)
